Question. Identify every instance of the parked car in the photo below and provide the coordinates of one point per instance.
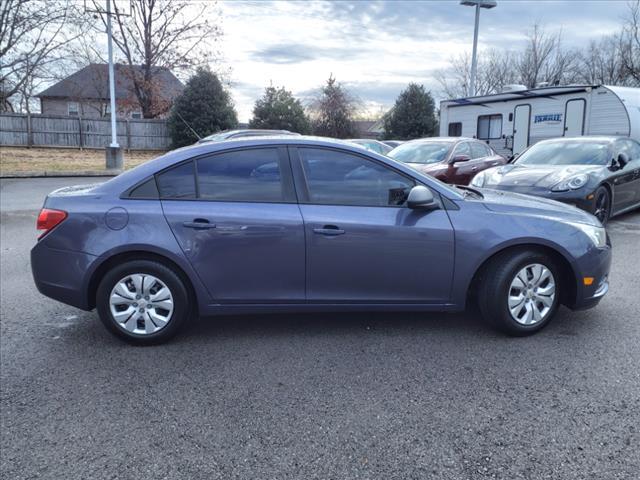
(449, 159)
(393, 143)
(598, 174)
(372, 145)
(247, 132)
(306, 224)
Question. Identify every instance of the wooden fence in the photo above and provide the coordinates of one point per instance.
(75, 132)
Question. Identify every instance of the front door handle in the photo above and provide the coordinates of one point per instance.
(329, 230)
(199, 224)
(474, 168)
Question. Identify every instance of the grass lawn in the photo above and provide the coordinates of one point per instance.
(20, 159)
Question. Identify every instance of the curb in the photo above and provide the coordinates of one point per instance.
(57, 173)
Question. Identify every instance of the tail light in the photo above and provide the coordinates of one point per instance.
(48, 219)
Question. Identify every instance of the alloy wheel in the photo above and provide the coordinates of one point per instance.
(531, 294)
(141, 304)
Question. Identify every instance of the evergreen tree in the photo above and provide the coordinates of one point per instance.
(412, 116)
(203, 107)
(279, 110)
(333, 111)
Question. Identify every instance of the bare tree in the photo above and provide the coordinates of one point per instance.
(601, 62)
(545, 60)
(630, 43)
(161, 34)
(33, 36)
(494, 71)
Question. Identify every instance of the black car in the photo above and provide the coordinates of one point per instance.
(598, 174)
(243, 133)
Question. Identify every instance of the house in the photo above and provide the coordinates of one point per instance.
(518, 117)
(369, 128)
(86, 92)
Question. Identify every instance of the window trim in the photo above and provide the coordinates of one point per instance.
(488, 116)
(303, 190)
(288, 190)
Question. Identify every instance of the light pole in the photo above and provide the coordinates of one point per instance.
(114, 152)
(474, 59)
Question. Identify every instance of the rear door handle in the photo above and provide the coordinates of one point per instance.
(199, 224)
(474, 168)
(329, 230)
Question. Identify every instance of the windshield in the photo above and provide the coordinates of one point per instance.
(579, 152)
(431, 152)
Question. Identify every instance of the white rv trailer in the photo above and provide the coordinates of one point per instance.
(513, 120)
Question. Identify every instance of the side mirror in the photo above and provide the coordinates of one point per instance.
(421, 198)
(460, 158)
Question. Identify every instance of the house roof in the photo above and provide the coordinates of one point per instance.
(92, 82)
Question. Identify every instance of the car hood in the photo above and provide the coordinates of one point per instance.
(510, 202)
(541, 176)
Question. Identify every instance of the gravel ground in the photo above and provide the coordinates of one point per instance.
(315, 396)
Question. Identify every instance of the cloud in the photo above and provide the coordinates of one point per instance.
(375, 48)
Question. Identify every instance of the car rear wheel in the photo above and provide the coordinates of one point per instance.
(519, 293)
(143, 302)
(602, 205)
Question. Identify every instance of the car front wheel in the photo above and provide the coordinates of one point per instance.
(143, 302)
(519, 293)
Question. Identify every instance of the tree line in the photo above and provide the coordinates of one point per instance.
(205, 107)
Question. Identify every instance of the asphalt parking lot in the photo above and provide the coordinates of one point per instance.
(339, 396)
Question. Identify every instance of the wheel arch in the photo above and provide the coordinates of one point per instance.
(568, 275)
(120, 257)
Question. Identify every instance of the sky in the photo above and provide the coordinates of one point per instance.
(375, 48)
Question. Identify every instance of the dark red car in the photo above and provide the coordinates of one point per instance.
(450, 159)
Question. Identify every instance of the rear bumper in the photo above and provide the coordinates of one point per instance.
(61, 274)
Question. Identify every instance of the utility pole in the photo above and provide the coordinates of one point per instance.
(474, 56)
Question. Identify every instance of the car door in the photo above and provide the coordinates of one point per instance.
(460, 173)
(364, 245)
(236, 219)
(626, 181)
(484, 157)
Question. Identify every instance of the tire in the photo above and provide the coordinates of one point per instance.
(499, 286)
(128, 292)
(602, 205)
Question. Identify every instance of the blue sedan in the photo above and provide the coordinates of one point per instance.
(307, 224)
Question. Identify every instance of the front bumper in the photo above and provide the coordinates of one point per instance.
(595, 264)
(581, 198)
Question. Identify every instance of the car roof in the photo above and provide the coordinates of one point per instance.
(441, 140)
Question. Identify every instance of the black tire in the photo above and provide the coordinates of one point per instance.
(181, 305)
(602, 204)
(495, 286)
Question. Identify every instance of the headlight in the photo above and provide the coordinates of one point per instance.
(572, 183)
(478, 180)
(598, 235)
